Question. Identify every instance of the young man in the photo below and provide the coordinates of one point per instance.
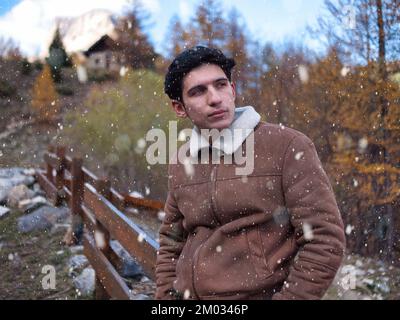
(275, 233)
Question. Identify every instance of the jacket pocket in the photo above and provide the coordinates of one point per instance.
(279, 259)
(257, 252)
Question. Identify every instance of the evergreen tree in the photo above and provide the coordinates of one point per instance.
(58, 57)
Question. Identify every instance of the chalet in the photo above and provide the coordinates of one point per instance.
(91, 41)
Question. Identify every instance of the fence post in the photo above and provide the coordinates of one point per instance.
(59, 181)
(49, 168)
(102, 186)
(75, 232)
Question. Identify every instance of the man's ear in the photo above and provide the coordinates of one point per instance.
(233, 86)
(179, 108)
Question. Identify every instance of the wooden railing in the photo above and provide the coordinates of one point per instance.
(100, 208)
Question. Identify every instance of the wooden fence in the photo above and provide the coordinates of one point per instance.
(100, 208)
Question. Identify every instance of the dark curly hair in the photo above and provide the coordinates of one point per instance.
(189, 60)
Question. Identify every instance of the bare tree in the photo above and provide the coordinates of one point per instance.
(9, 49)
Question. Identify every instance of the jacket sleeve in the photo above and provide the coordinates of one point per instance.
(317, 223)
(172, 240)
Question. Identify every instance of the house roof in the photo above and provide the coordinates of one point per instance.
(79, 34)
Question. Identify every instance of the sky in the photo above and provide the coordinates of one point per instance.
(28, 21)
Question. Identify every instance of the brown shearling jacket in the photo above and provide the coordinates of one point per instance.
(275, 234)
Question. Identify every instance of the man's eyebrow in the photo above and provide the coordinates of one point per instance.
(204, 84)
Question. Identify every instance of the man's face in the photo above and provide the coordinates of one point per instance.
(208, 98)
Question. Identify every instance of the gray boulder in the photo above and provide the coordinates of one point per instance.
(85, 282)
(43, 218)
(10, 177)
(140, 296)
(4, 211)
(130, 268)
(30, 205)
(17, 194)
(76, 264)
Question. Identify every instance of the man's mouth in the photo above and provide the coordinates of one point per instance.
(217, 114)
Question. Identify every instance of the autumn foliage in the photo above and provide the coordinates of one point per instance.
(44, 97)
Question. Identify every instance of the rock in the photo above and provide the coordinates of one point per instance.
(10, 177)
(30, 205)
(140, 296)
(29, 172)
(85, 282)
(43, 218)
(76, 249)
(4, 211)
(76, 264)
(15, 259)
(145, 279)
(17, 194)
(130, 268)
(38, 191)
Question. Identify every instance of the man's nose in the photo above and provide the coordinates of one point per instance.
(214, 98)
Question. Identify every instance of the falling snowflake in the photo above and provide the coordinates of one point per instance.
(362, 144)
(189, 168)
(303, 73)
(182, 136)
(161, 215)
(345, 70)
(186, 294)
(299, 155)
(140, 145)
(141, 237)
(218, 249)
(99, 238)
(307, 231)
(349, 229)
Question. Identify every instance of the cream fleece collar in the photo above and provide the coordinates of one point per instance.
(245, 120)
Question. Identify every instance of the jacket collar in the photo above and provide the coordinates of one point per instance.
(244, 122)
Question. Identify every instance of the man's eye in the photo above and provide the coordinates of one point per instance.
(222, 84)
(196, 92)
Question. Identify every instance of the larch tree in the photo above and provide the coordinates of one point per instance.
(44, 97)
(367, 33)
(133, 41)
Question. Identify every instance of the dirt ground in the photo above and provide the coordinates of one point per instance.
(22, 258)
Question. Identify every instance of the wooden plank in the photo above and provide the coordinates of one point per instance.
(67, 194)
(88, 218)
(117, 199)
(68, 162)
(89, 177)
(132, 238)
(59, 181)
(67, 182)
(146, 203)
(49, 168)
(105, 272)
(53, 160)
(47, 186)
(76, 185)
